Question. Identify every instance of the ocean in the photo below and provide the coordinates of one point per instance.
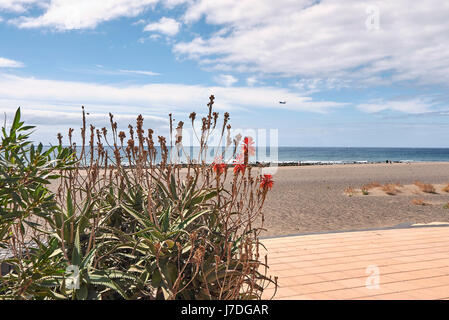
(330, 155)
(351, 155)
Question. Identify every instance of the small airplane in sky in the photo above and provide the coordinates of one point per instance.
(282, 102)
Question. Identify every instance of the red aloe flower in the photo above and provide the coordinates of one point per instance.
(248, 147)
(239, 164)
(218, 166)
(267, 182)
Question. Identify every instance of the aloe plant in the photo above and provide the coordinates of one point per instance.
(144, 229)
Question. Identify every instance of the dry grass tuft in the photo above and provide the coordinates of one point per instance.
(350, 191)
(419, 202)
(371, 185)
(425, 187)
(391, 189)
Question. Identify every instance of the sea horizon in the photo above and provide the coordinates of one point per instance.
(327, 155)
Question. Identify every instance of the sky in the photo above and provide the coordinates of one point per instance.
(352, 73)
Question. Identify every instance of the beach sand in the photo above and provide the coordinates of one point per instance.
(312, 198)
(308, 199)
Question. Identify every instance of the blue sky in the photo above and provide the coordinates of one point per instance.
(353, 73)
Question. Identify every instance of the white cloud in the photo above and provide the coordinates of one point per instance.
(141, 72)
(170, 4)
(156, 98)
(154, 36)
(103, 70)
(308, 38)
(139, 22)
(312, 85)
(18, 5)
(251, 81)
(72, 118)
(411, 106)
(167, 26)
(299, 38)
(8, 63)
(225, 80)
(55, 105)
(81, 14)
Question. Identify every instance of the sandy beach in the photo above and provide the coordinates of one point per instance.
(312, 198)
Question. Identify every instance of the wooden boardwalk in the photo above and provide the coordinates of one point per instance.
(404, 264)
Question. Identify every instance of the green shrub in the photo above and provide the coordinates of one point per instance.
(26, 172)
